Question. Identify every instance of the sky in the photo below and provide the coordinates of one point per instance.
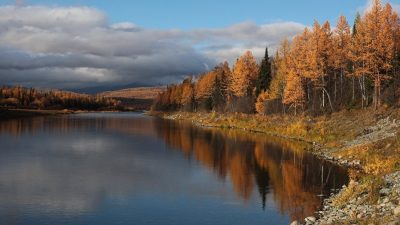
(89, 43)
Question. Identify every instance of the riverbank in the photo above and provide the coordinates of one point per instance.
(6, 114)
(365, 141)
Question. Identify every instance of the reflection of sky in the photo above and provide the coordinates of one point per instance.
(105, 176)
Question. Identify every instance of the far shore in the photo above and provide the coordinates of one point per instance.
(7, 114)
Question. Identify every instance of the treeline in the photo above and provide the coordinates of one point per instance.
(30, 98)
(320, 71)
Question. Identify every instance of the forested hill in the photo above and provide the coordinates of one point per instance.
(31, 98)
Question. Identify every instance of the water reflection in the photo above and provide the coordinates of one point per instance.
(71, 166)
(296, 179)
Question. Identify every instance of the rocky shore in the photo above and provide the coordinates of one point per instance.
(358, 210)
(354, 203)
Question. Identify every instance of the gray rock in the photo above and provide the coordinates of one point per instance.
(396, 211)
(395, 222)
(295, 223)
(386, 200)
(384, 192)
(310, 220)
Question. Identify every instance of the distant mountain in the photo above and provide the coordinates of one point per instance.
(136, 93)
(101, 89)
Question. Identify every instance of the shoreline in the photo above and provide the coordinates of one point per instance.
(9, 114)
(351, 204)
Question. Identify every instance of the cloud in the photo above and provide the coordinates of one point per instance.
(229, 43)
(126, 26)
(64, 47)
(369, 4)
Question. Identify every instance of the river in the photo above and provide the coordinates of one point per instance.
(128, 168)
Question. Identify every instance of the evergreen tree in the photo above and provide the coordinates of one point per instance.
(356, 21)
(264, 77)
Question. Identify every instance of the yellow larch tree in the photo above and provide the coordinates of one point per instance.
(281, 65)
(244, 75)
(340, 48)
(294, 95)
(380, 36)
(320, 59)
(261, 102)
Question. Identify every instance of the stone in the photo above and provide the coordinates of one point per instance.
(329, 221)
(310, 220)
(295, 223)
(395, 222)
(386, 200)
(384, 192)
(396, 211)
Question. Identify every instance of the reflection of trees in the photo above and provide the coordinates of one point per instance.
(277, 167)
(240, 172)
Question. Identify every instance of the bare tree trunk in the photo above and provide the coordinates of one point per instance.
(341, 85)
(361, 80)
(379, 103)
(335, 94)
(329, 98)
(376, 93)
(365, 91)
(323, 94)
(354, 92)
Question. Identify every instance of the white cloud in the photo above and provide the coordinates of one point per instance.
(369, 3)
(125, 26)
(77, 46)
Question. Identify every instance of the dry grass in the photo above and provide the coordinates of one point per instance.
(367, 190)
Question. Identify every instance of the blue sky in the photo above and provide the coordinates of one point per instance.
(103, 43)
(192, 14)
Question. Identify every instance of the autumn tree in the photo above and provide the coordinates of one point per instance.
(262, 98)
(221, 86)
(187, 97)
(294, 93)
(360, 58)
(244, 76)
(320, 59)
(298, 61)
(242, 84)
(204, 88)
(224, 75)
(340, 48)
(281, 67)
(380, 23)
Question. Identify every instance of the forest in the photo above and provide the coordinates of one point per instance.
(321, 70)
(31, 98)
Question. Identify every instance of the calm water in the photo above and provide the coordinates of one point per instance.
(126, 168)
